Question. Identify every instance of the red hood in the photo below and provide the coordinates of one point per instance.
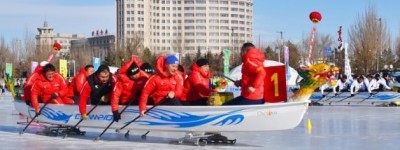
(160, 66)
(38, 69)
(126, 66)
(195, 67)
(83, 71)
(254, 53)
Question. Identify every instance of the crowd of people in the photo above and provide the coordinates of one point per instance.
(138, 83)
(355, 84)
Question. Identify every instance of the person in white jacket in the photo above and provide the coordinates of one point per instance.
(370, 83)
(380, 83)
(343, 84)
(356, 85)
(328, 86)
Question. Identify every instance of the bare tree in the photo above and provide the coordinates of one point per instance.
(134, 45)
(270, 54)
(178, 45)
(82, 57)
(294, 55)
(397, 52)
(321, 42)
(368, 37)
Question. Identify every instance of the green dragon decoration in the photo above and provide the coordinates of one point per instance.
(313, 76)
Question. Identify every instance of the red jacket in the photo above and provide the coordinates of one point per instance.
(197, 85)
(86, 91)
(253, 74)
(77, 83)
(126, 89)
(30, 81)
(44, 88)
(159, 85)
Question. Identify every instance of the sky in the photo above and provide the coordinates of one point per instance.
(270, 16)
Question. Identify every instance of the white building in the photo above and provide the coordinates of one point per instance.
(46, 38)
(169, 25)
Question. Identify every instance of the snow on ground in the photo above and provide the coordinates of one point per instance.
(333, 128)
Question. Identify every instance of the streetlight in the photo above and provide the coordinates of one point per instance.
(69, 62)
(280, 32)
(279, 53)
(232, 40)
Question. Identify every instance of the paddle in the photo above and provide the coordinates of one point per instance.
(123, 110)
(145, 134)
(367, 97)
(68, 131)
(333, 96)
(154, 106)
(230, 79)
(36, 115)
(322, 97)
(345, 98)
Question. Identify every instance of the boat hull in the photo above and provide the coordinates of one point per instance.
(360, 99)
(267, 117)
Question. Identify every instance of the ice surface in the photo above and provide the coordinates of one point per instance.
(332, 128)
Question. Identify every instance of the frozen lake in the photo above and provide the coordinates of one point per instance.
(333, 127)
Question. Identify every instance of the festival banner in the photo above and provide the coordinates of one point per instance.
(96, 62)
(227, 54)
(347, 67)
(9, 69)
(34, 64)
(64, 68)
(286, 59)
(286, 52)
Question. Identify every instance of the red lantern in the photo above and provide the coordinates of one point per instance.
(315, 17)
(57, 46)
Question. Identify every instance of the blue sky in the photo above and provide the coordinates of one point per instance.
(270, 16)
(291, 16)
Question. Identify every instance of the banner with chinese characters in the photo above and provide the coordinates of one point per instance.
(64, 68)
(227, 54)
(9, 69)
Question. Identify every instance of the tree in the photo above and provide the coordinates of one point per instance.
(148, 57)
(294, 55)
(198, 54)
(387, 57)
(187, 61)
(368, 37)
(270, 54)
(397, 52)
(134, 45)
(338, 58)
(321, 42)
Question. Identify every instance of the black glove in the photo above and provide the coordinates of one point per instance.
(370, 94)
(116, 116)
(351, 95)
(54, 95)
(323, 96)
